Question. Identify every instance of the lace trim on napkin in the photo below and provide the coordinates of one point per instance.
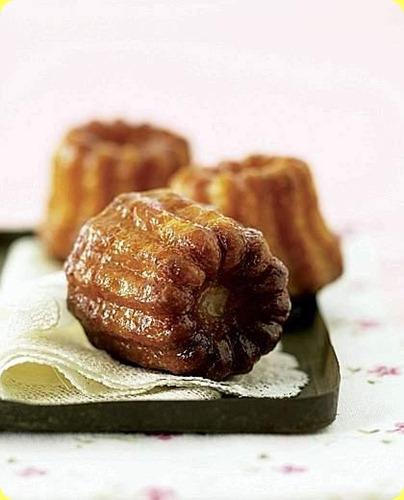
(45, 358)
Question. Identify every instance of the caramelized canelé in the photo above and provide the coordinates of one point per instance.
(277, 196)
(162, 282)
(96, 162)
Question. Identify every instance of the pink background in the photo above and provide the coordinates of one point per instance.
(321, 80)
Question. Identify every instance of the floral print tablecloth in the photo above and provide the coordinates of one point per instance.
(360, 456)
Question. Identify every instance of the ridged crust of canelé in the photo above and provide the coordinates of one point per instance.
(98, 161)
(162, 282)
(277, 196)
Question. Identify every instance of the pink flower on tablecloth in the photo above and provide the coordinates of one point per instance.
(383, 370)
(158, 493)
(367, 323)
(398, 427)
(291, 469)
(31, 472)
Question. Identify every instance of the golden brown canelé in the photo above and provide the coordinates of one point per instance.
(162, 282)
(96, 162)
(277, 196)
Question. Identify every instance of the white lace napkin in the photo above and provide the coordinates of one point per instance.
(45, 358)
(26, 260)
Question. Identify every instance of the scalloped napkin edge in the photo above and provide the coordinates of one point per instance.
(45, 358)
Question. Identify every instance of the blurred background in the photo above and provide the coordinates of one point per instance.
(321, 80)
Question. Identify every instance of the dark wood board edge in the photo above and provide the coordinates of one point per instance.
(228, 415)
(313, 409)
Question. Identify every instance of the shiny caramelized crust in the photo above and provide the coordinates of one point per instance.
(277, 196)
(98, 161)
(159, 281)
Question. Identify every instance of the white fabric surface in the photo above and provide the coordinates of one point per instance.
(359, 457)
(26, 260)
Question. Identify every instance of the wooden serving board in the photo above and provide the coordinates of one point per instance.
(306, 337)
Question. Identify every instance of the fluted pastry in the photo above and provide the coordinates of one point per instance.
(277, 196)
(162, 282)
(99, 160)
